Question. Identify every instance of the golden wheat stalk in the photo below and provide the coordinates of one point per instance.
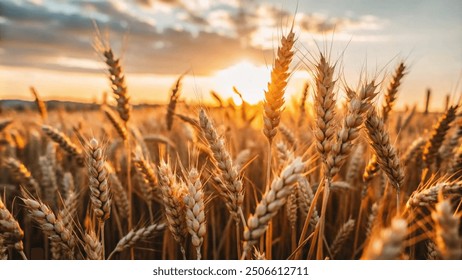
(229, 175)
(271, 202)
(147, 171)
(173, 193)
(448, 239)
(51, 225)
(42, 108)
(119, 88)
(116, 123)
(438, 134)
(342, 236)
(135, 236)
(119, 193)
(92, 246)
(65, 143)
(174, 96)
(195, 210)
(22, 175)
(306, 197)
(429, 196)
(100, 192)
(302, 106)
(386, 155)
(10, 230)
(392, 90)
(274, 95)
(324, 102)
(358, 105)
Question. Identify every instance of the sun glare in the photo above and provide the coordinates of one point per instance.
(249, 79)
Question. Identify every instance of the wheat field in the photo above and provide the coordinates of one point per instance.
(327, 178)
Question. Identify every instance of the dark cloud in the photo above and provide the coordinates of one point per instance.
(313, 23)
(34, 36)
(196, 19)
(316, 24)
(203, 53)
(244, 24)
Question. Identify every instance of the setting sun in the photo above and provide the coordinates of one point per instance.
(248, 78)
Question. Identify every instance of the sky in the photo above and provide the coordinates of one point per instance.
(50, 44)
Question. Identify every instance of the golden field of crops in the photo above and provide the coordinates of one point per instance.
(323, 178)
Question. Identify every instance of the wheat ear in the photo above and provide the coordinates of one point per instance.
(324, 102)
(116, 123)
(195, 211)
(22, 175)
(100, 195)
(10, 230)
(5, 123)
(447, 149)
(387, 158)
(388, 244)
(306, 197)
(358, 105)
(242, 159)
(65, 143)
(284, 154)
(92, 246)
(217, 98)
(271, 202)
(356, 161)
(190, 120)
(392, 90)
(119, 88)
(67, 184)
(147, 171)
(49, 183)
(174, 96)
(372, 168)
(372, 218)
(413, 151)
(439, 132)
(173, 193)
(232, 191)
(342, 236)
(456, 163)
(429, 196)
(274, 95)
(119, 193)
(432, 251)
(289, 136)
(135, 236)
(42, 108)
(51, 225)
(302, 106)
(448, 240)
(3, 249)
(69, 210)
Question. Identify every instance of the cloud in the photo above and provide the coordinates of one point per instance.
(159, 41)
(149, 3)
(34, 36)
(319, 23)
